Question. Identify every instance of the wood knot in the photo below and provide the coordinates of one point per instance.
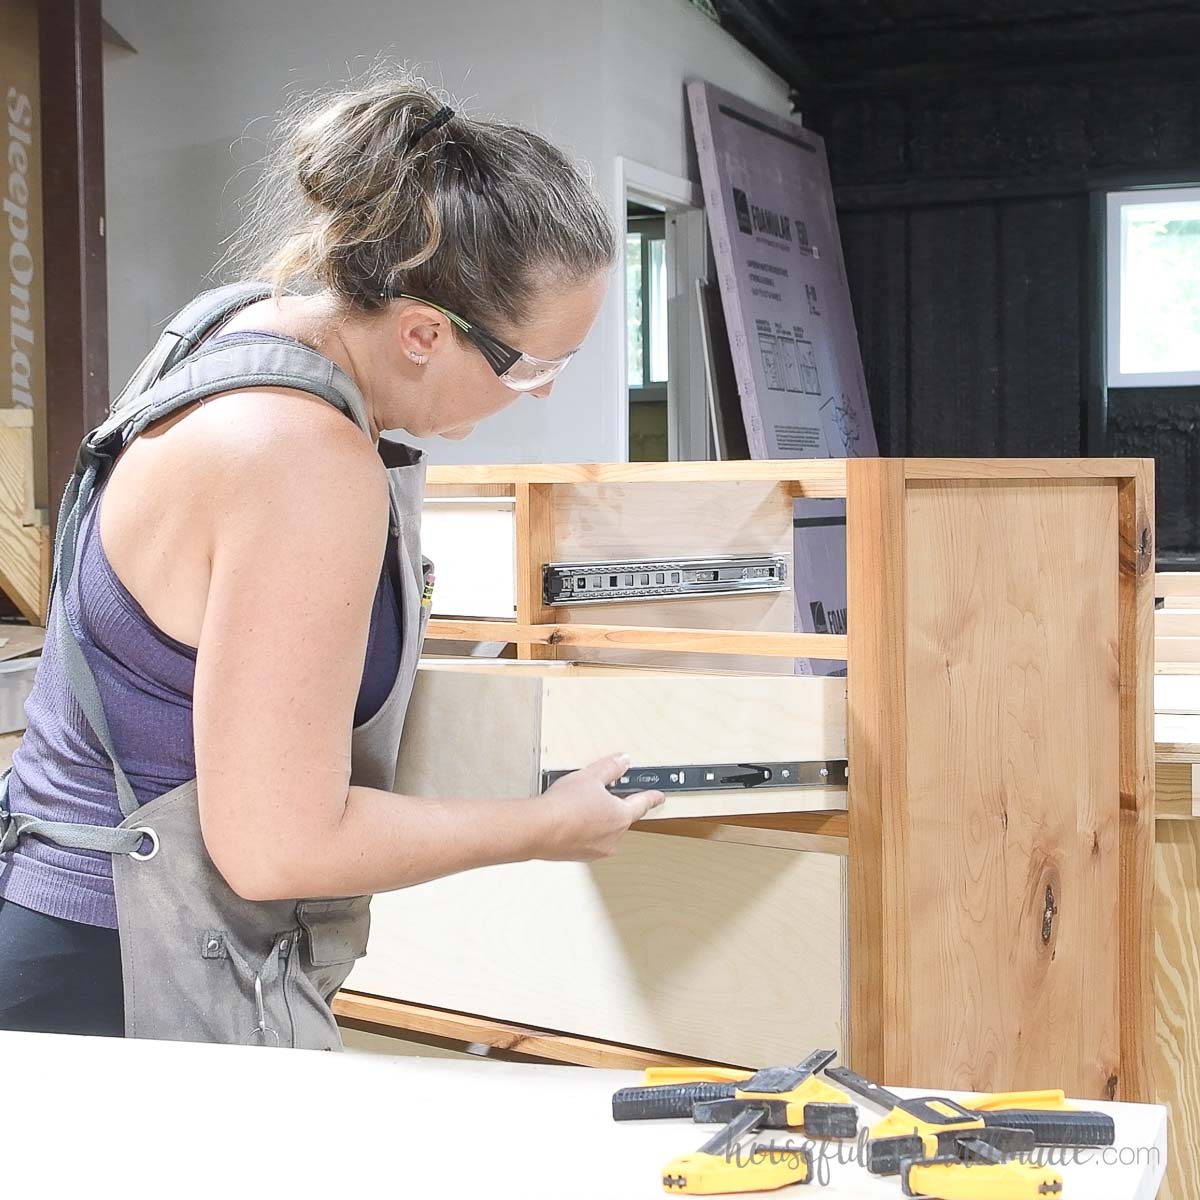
(555, 638)
(1110, 1087)
(1039, 911)
(1049, 912)
(1145, 550)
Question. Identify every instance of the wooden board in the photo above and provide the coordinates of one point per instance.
(1177, 998)
(818, 477)
(657, 946)
(1108, 470)
(776, 833)
(630, 645)
(18, 640)
(814, 477)
(516, 1042)
(1177, 623)
(1019, 791)
(1176, 790)
(876, 724)
(1177, 583)
(535, 523)
(24, 538)
(1135, 667)
(1177, 737)
(1178, 650)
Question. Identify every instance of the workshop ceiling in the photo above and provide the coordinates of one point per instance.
(870, 43)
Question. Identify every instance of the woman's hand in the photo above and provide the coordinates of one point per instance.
(586, 820)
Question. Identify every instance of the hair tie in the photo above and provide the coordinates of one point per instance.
(438, 119)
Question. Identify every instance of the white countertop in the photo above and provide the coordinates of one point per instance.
(94, 1117)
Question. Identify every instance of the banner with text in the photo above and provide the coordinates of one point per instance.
(22, 328)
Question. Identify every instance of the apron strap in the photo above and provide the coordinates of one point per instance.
(79, 672)
(185, 331)
(171, 378)
(14, 826)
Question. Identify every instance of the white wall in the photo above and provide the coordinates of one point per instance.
(187, 114)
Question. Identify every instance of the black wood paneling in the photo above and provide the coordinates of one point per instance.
(1164, 424)
(1040, 266)
(954, 367)
(969, 236)
(876, 250)
(968, 143)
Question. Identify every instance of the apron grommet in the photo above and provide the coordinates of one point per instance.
(146, 831)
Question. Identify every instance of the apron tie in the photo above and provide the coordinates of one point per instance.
(10, 831)
(70, 836)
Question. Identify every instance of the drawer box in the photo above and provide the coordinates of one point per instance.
(491, 729)
(717, 951)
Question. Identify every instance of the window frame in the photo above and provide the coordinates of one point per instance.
(1115, 203)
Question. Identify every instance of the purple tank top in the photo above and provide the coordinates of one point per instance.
(60, 771)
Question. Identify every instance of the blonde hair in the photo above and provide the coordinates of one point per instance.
(475, 214)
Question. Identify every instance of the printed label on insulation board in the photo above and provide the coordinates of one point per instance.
(791, 327)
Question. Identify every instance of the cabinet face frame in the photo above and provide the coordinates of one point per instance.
(1094, 869)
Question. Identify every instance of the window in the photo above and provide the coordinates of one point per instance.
(1153, 273)
(646, 332)
(646, 298)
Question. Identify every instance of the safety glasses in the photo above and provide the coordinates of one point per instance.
(519, 371)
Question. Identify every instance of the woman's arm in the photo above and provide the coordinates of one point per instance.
(298, 527)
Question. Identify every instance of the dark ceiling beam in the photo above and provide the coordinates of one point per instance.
(823, 46)
(834, 21)
(744, 19)
(838, 58)
(1183, 67)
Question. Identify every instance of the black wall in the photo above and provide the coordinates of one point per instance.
(973, 235)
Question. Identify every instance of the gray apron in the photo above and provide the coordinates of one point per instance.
(200, 963)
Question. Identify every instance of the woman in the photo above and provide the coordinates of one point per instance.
(238, 612)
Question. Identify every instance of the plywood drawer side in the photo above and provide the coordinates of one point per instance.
(725, 952)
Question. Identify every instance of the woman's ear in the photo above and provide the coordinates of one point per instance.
(421, 330)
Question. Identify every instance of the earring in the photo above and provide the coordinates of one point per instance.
(419, 359)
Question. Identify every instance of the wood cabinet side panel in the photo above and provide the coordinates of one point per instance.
(1013, 784)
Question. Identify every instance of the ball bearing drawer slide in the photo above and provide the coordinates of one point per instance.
(659, 578)
(723, 777)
